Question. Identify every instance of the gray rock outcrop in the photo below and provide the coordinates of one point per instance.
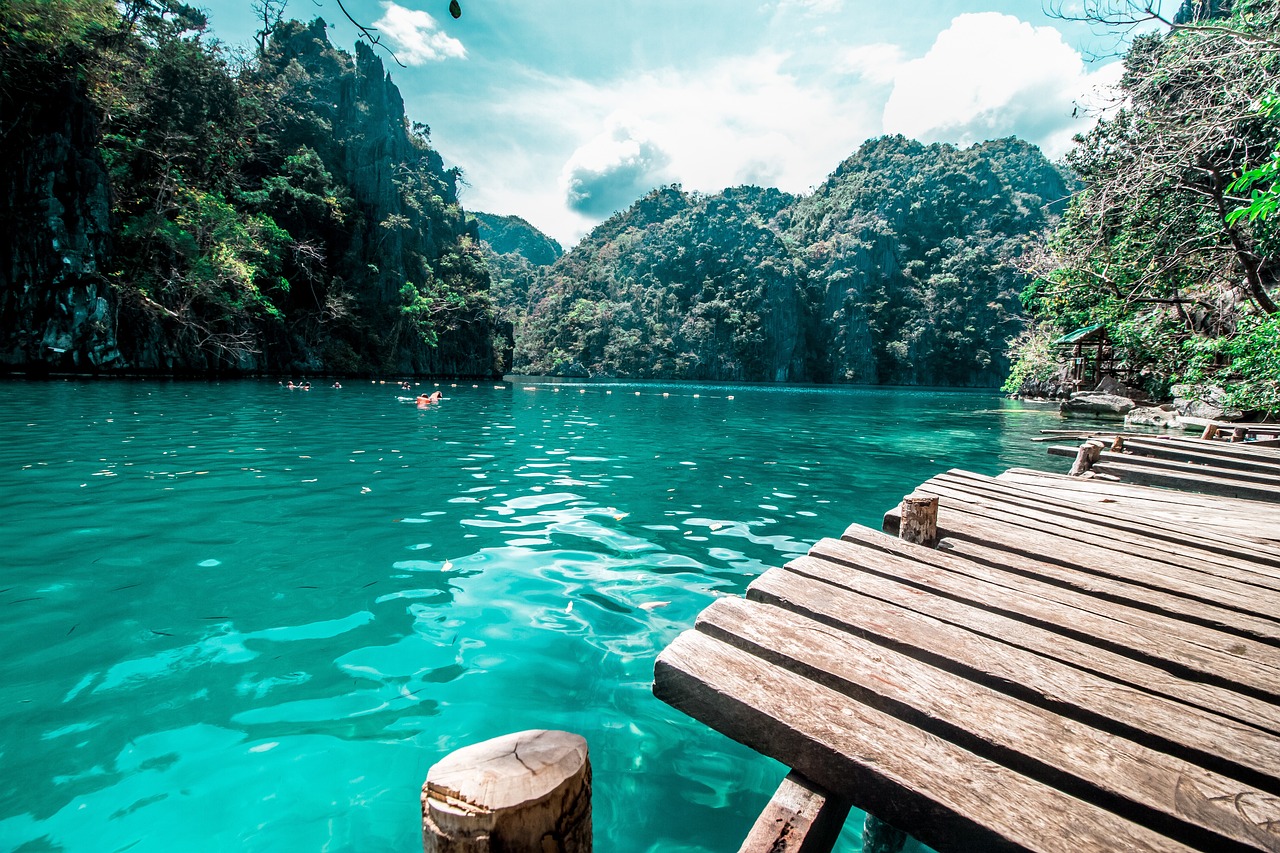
(1097, 405)
(1204, 401)
(1161, 417)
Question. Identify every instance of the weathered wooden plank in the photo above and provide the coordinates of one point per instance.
(1101, 585)
(952, 799)
(1248, 657)
(1176, 547)
(1042, 640)
(1228, 592)
(1172, 466)
(1248, 519)
(1025, 602)
(801, 818)
(1145, 598)
(1062, 483)
(1122, 775)
(1181, 452)
(1106, 515)
(1190, 481)
(1208, 739)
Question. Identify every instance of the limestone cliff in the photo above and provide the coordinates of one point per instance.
(55, 223)
(166, 213)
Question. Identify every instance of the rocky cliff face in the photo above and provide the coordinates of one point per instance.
(163, 214)
(56, 309)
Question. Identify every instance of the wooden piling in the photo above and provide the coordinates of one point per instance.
(919, 519)
(525, 791)
(1088, 454)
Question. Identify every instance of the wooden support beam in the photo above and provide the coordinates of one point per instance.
(801, 818)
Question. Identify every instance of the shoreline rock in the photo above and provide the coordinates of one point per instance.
(1086, 403)
(1160, 417)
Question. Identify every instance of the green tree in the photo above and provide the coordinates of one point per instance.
(1171, 243)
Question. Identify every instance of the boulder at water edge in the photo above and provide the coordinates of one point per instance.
(1096, 405)
(1160, 417)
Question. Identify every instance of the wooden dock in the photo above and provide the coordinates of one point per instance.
(1080, 665)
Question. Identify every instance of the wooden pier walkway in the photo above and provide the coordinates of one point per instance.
(1080, 665)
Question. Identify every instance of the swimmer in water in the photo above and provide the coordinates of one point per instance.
(337, 384)
(425, 400)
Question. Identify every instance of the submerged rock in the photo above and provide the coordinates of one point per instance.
(1097, 405)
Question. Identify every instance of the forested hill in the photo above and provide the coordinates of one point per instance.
(896, 270)
(508, 235)
(164, 211)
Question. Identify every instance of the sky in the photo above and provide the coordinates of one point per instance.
(563, 113)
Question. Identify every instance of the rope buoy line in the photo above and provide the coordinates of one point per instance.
(554, 388)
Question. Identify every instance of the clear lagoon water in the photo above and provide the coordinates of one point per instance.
(242, 618)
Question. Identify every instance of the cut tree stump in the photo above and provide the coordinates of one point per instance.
(919, 519)
(525, 791)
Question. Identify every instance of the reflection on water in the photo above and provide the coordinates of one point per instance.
(244, 618)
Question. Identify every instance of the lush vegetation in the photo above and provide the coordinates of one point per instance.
(1172, 242)
(266, 212)
(898, 269)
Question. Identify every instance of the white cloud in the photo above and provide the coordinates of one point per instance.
(416, 36)
(744, 119)
(770, 118)
(990, 75)
(614, 168)
(811, 7)
(876, 63)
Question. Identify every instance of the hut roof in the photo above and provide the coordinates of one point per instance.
(1084, 333)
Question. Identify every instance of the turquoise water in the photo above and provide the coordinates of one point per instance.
(243, 618)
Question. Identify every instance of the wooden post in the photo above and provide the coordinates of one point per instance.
(919, 522)
(801, 818)
(1086, 456)
(880, 837)
(524, 791)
